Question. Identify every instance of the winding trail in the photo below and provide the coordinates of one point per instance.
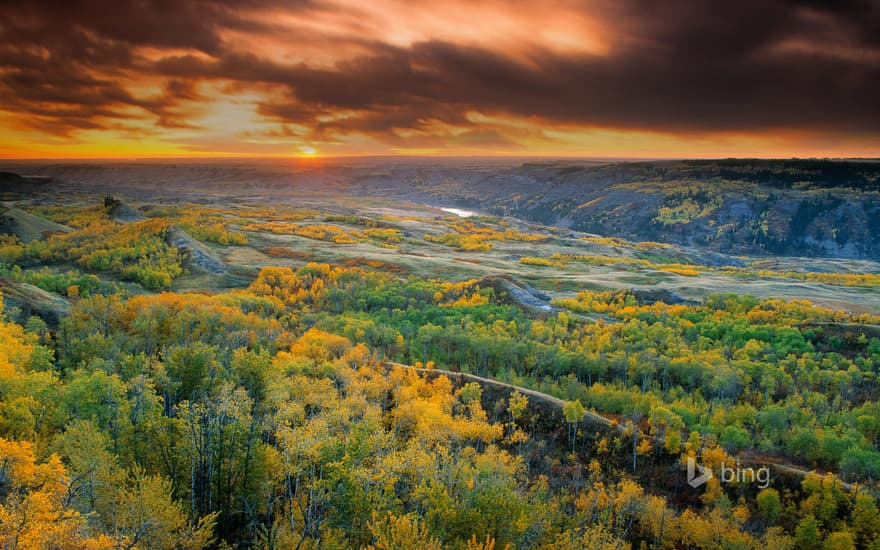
(535, 395)
(597, 419)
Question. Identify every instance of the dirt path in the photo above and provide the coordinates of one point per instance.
(597, 419)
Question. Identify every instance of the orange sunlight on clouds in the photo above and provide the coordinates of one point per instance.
(450, 77)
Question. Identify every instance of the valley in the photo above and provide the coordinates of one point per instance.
(334, 357)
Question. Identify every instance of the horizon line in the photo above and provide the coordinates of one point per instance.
(318, 158)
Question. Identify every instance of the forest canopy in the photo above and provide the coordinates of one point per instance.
(188, 376)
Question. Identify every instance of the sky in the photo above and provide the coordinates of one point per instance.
(301, 78)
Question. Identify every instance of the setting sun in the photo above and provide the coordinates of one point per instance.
(450, 77)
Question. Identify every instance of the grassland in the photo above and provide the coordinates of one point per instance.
(424, 241)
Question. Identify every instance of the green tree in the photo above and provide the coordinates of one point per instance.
(769, 504)
(865, 520)
(806, 534)
(574, 412)
(840, 540)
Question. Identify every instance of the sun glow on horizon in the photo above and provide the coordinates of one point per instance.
(446, 78)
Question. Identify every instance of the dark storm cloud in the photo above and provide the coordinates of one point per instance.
(51, 52)
(680, 66)
(161, 23)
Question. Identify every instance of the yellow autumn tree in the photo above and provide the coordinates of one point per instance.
(32, 510)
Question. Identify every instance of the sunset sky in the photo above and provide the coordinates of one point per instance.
(622, 78)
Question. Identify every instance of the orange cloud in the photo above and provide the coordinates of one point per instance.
(563, 77)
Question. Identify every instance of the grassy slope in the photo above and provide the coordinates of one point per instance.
(29, 227)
